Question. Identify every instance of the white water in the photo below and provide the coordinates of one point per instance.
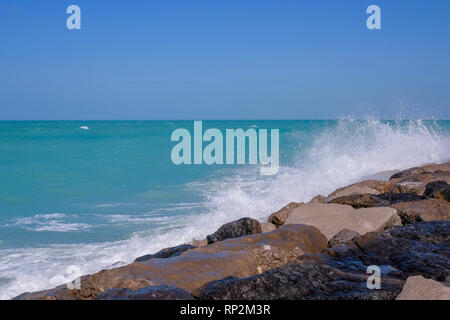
(339, 156)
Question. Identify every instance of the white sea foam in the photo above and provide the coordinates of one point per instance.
(340, 155)
(49, 222)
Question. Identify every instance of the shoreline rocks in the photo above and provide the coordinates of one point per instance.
(317, 250)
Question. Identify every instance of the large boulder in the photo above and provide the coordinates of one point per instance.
(415, 183)
(424, 210)
(343, 237)
(161, 292)
(342, 272)
(332, 218)
(166, 253)
(238, 257)
(366, 186)
(235, 229)
(372, 200)
(278, 218)
(419, 288)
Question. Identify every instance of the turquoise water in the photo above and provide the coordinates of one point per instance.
(101, 197)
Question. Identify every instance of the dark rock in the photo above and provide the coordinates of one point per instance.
(297, 282)
(376, 200)
(160, 292)
(444, 194)
(343, 237)
(166, 253)
(341, 272)
(235, 229)
(433, 188)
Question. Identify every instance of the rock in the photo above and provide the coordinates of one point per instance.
(161, 292)
(415, 183)
(319, 198)
(199, 243)
(235, 229)
(332, 218)
(278, 218)
(419, 288)
(166, 253)
(343, 237)
(366, 186)
(307, 281)
(341, 272)
(430, 168)
(443, 194)
(268, 227)
(424, 210)
(432, 188)
(238, 257)
(372, 200)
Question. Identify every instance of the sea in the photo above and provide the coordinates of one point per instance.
(94, 195)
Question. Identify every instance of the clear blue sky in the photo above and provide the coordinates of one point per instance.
(208, 59)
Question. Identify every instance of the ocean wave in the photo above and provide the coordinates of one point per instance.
(50, 222)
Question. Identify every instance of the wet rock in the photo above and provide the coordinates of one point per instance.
(268, 227)
(424, 210)
(430, 168)
(419, 288)
(278, 218)
(366, 186)
(166, 253)
(341, 272)
(332, 218)
(432, 188)
(160, 292)
(372, 200)
(343, 237)
(238, 257)
(235, 229)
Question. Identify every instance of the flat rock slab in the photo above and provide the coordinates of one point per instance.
(330, 219)
(366, 186)
(419, 288)
(424, 210)
(239, 257)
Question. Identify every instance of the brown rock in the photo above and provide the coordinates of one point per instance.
(199, 243)
(239, 257)
(278, 218)
(424, 210)
(268, 227)
(343, 237)
(419, 288)
(445, 167)
(332, 218)
(366, 186)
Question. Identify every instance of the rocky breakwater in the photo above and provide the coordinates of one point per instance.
(315, 250)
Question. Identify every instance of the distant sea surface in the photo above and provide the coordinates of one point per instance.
(98, 194)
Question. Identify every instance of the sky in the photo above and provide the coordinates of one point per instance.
(210, 59)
